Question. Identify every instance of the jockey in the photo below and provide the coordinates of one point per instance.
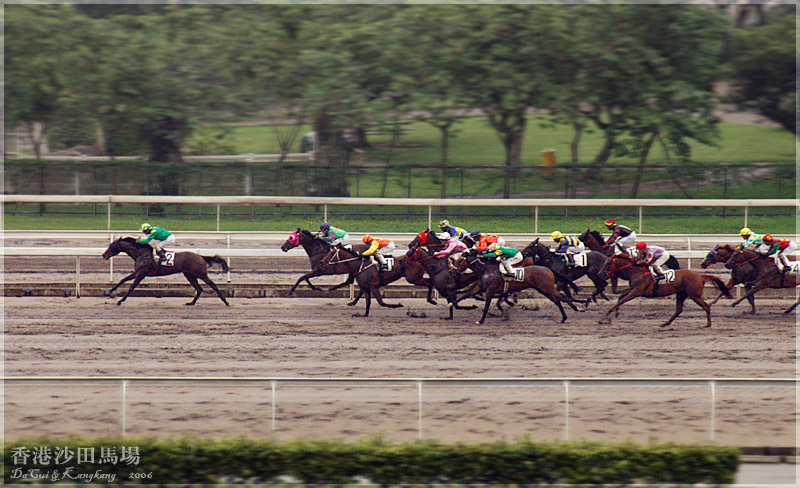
(453, 245)
(568, 246)
(654, 257)
(454, 231)
(508, 257)
(621, 236)
(751, 240)
(384, 247)
(483, 241)
(333, 235)
(779, 248)
(157, 238)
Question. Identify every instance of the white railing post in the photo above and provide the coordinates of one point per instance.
(688, 248)
(325, 213)
(712, 428)
(430, 216)
(536, 219)
(566, 410)
(123, 419)
(745, 216)
(108, 223)
(218, 209)
(419, 409)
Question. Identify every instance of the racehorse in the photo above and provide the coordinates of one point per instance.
(739, 274)
(316, 248)
(192, 265)
(443, 277)
(543, 256)
(767, 273)
(492, 284)
(370, 279)
(595, 242)
(687, 283)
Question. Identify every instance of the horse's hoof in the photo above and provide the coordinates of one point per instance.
(478, 322)
(433, 302)
(189, 304)
(358, 315)
(445, 318)
(350, 304)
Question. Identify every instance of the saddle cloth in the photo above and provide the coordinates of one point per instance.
(794, 267)
(169, 260)
(389, 264)
(579, 259)
(519, 274)
(669, 276)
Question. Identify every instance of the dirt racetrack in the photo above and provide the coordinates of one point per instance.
(318, 337)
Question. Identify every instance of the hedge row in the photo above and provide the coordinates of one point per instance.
(190, 460)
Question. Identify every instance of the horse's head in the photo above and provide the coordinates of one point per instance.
(530, 249)
(739, 255)
(712, 257)
(113, 249)
(293, 241)
(417, 253)
(466, 259)
(615, 264)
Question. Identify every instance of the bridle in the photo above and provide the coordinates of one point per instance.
(749, 261)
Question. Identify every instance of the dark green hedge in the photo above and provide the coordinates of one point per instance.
(190, 460)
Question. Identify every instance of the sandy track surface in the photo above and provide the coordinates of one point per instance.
(319, 338)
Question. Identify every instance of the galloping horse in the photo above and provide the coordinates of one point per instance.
(493, 284)
(192, 265)
(739, 274)
(767, 274)
(687, 283)
(370, 279)
(443, 277)
(543, 256)
(316, 248)
(595, 242)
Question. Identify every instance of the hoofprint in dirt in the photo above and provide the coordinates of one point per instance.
(319, 338)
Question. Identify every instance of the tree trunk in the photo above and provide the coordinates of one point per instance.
(445, 131)
(672, 173)
(513, 145)
(578, 126)
(602, 157)
(640, 170)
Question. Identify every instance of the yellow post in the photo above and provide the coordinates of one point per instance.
(548, 160)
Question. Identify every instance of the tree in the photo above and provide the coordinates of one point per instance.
(764, 70)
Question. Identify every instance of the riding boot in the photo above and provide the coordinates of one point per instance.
(659, 277)
(381, 261)
(162, 256)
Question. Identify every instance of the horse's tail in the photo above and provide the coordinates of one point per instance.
(216, 259)
(564, 278)
(721, 286)
(672, 263)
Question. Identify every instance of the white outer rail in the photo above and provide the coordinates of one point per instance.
(125, 383)
(404, 202)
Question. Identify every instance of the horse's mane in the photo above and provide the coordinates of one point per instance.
(306, 232)
(131, 240)
(625, 257)
(597, 235)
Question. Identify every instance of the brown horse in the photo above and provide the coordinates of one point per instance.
(370, 279)
(446, 281)
(192, 265)
(739, 274)
(687, 283)
(766, 271)
(492, 283)
(316, 248)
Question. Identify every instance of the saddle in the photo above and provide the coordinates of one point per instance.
(575, 260)
(167, 260)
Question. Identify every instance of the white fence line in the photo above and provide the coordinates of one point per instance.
(109, 200)
(126, 382)
(244, 158)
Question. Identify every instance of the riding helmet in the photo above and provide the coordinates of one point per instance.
(641, 245)
(611, 223)
(745, 232)
(556, 236)
(146, 227)
(324, 226)
(444, 223)
(366, 238)
(768, 238)
(475, 233)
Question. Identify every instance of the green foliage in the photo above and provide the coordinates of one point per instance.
(211, 140)
(192, 460)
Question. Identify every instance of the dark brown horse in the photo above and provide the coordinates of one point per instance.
(317, 248)
(444, 278)
(739, 274)
(687, 283)
(766, 271)
(370, 279)
(544, 256)
(192, 265)
(492, 283)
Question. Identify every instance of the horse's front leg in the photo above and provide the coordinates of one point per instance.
(633, 293)
(135, 283)
(305, 278)
(127, 278)
(357, 298)
(377, 292)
